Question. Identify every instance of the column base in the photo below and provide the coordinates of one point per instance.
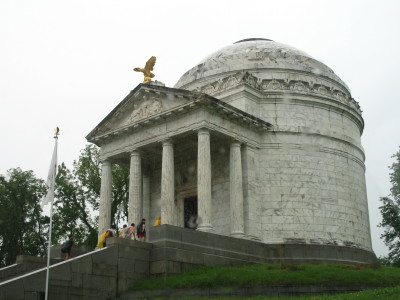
(205, 228)
(252, 238)
(237, 234)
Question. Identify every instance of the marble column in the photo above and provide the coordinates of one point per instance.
(105, 197)
(251, 199)
(236, 190)
(146, 197)
(168, 210)
(204, 180)
(135, 204)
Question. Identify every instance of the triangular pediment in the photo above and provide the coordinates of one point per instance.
(144, 102)
(148, 105)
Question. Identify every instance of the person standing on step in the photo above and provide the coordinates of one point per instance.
(107, 234)
(141, 231)
(122, 233)
(131, 235)
(158, 221)
(67, 247)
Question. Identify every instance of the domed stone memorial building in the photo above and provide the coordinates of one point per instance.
(254, 156)
(258, 142)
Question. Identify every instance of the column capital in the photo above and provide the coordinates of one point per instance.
(235, 143)
(203, 131)
(247, 146)
(135, 152)
(167, 142)
(105, 161)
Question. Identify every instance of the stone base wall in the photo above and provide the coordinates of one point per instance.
(176, 250)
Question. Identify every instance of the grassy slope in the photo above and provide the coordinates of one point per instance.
(378, 294)
(277, 274)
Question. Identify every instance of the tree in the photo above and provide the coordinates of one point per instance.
(390, 211)
(72, 210)
(77, 197)
(120, 190)
(23, 229)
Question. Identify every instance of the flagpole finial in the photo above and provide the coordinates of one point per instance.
(57, 132)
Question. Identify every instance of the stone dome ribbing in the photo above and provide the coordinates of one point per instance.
(260, 57)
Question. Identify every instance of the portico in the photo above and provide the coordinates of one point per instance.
(183, 145)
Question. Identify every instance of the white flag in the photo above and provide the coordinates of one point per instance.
(51, 178)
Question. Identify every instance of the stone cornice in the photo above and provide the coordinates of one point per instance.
(304, 100)
(283, 86)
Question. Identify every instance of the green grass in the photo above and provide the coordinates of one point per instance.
(277, 274)
(378, 294)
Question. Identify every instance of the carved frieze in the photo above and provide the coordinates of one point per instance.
(298, 86)
(145, 108)
(272, 85)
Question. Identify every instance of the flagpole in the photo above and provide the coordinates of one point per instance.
(48, 250)
(51, 191)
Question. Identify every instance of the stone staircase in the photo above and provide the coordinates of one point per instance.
(24, 264)
(100, 274)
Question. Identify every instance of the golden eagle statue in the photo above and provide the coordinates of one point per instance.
(146, 70)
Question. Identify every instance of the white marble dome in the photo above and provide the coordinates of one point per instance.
(263, 58)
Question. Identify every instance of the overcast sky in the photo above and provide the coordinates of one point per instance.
(69, 63)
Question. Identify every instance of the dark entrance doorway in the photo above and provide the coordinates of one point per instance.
(190, 212)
